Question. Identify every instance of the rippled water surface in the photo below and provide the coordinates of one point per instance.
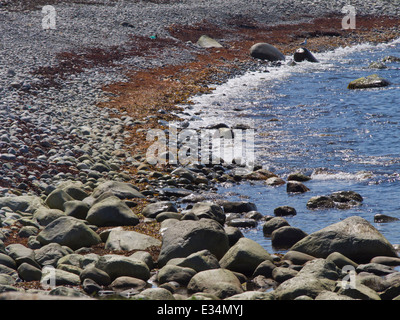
(307, 120)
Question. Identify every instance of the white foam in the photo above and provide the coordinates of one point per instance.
(327, 175)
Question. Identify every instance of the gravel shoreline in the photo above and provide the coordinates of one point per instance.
(54, 132)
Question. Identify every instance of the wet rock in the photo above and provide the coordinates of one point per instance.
(238, 206)
(371, 81)
(286, 236)
(185, 237)
(298, 177)
(303, 54)
(296, 187)
(353, 237)
(70, 232)
(274, 224)
(265, 51)
(242, 223)
(320, 202)
(377, 65)
(244, 256)
(340, 260)
(382, 218)
(284, 211)
(219, 282)
(298, 258)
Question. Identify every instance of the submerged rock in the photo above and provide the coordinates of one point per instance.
(372, 81)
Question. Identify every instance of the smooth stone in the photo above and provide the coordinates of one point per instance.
(298, 177)
(296, 187)
(111, 212)
(375, 268)
(383, 218)
(145, 257)
(125, 283)
(242, 223)
(99, 276)
(303, 54)
(208, 42)
(234, 234)
(185, 237)
(117, 266)
(340, 260)
(181, 275)
(219, 282)
(7, 261)
(265, 269)
(244, 256)
(168, 215)
(157, 294)
(388, 261)
(353, 237)
(285, 237)
(70, 232)
(28, 272)
(60, 277)
(273, 224)
(284, 211)
(265, 51)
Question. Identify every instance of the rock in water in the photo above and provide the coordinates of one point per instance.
(353, 237)
(303, 54)
(372, 81)
(266, 51)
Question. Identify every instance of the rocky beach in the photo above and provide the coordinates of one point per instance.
(84, 214)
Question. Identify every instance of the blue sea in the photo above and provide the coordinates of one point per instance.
(306, 120)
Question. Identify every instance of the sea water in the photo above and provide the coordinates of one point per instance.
(305, 119)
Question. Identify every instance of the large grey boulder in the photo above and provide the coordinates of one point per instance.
(50, 254)
(266, 51)
(43, 216)
(129, 240)
(219, 282)
(26, 204)
(244, 256)
(119, 189)
(353, 237)
(185, 237)
(70, 232)
(178, 274)
(111, 211)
